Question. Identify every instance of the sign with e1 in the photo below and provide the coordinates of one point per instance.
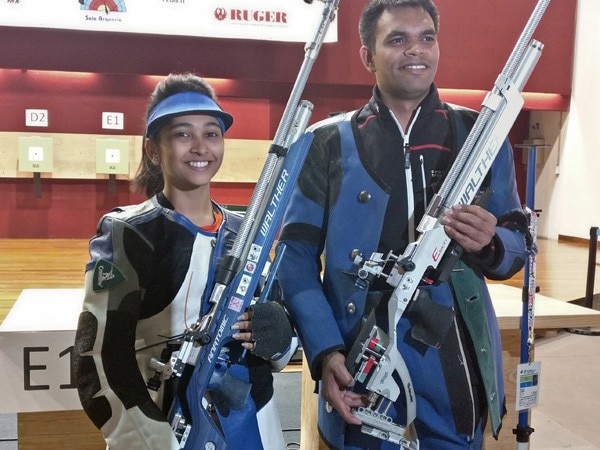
(112, 120)
(35, 369)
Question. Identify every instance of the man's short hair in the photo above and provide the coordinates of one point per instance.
(374, 9)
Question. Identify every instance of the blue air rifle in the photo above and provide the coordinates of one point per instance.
(204, 350)
(433, 254)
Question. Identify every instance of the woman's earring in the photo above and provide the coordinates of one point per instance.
(155, 160)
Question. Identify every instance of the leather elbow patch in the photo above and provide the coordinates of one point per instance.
(87, 329)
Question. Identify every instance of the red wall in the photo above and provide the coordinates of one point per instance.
(71, 208)
(110, 72)
(75, 102)
(476, 38)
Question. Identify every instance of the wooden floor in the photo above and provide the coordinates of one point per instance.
(35, 263)
(59, 263)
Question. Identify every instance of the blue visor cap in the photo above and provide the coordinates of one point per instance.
(182, 104)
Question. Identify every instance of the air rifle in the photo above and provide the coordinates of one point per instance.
(375, 356)
(203, 361)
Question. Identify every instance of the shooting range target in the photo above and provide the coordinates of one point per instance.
(103, 5)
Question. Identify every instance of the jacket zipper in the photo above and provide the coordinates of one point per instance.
(423, 181)
(410, 198)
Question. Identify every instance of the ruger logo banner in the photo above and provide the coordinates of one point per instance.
(275, 20)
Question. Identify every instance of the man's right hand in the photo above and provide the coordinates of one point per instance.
(335, 381)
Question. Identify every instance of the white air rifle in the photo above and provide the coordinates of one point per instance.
(421, 260)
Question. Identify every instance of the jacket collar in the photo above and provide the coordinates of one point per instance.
(377, 107)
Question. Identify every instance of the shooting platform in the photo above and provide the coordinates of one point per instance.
(36, 342)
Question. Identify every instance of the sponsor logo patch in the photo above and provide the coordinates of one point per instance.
(106, 276)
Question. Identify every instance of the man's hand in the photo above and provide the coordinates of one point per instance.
(335, 381)
(471, 226)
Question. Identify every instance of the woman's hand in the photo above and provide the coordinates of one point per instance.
(264, 329)
(244, 324)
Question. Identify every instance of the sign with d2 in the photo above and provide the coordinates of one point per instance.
(36, 117)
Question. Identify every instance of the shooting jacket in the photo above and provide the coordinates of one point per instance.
(147, 281)
(352, 195)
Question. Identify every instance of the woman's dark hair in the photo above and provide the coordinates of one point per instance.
(373, 10)
(149, 177)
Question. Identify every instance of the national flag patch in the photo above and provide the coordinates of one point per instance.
(236, 304)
